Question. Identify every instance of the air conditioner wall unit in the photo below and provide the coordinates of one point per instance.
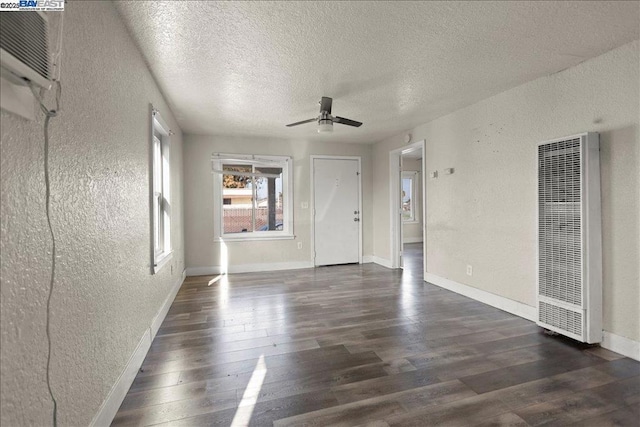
(24, 48)
(569, 237)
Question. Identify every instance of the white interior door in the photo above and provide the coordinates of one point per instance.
(336, 184)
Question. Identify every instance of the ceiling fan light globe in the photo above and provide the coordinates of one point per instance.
(325, 126)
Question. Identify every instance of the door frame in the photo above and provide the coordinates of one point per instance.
(312, 207)
(395, 210)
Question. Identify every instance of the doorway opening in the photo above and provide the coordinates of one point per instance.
(408, 206)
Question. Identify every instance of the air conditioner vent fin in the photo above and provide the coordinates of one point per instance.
(25, 36)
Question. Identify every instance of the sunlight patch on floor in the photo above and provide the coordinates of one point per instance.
(250, 395)
(215, 279)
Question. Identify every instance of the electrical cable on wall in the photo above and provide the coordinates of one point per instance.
(49, 114)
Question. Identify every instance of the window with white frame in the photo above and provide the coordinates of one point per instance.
(160, 192)
(409, 179)
(252, 197)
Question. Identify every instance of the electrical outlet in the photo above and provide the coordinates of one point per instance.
(299, 245)
(469, 270)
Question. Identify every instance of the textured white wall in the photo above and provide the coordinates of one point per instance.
(413, 230)
(202, 251)
(104, 297)
(484, 214)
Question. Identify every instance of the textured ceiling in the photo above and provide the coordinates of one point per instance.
(249, 68)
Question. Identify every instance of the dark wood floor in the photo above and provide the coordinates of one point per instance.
(364, 345)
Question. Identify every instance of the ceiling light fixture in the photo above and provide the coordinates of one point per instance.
(325, 126)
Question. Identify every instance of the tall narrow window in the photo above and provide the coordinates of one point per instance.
(160, 192)
(252, 197)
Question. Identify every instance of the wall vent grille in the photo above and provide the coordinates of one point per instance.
(559, 226)
(560, 317)
(24, 40)
(569, 241)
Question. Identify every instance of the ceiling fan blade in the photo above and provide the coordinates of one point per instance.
(347, 122)
(302, 122)
(325, 104)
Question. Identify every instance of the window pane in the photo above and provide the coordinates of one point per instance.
(160, 191)
(407, 196)
(269, 201)
(252, 198)
(237, 196)
(157, 165)
(157, 194)
(156, 225)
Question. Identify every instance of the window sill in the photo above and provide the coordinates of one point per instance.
(248, 238)
(162, 260)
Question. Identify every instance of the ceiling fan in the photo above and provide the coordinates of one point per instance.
(325, 119)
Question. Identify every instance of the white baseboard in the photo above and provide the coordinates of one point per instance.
(502, 303)
(116, 395)
(248, 268)
(381, 261)
(204, 271)
(621, 345)
(162, 313)
(412, 239)
(255, 268)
